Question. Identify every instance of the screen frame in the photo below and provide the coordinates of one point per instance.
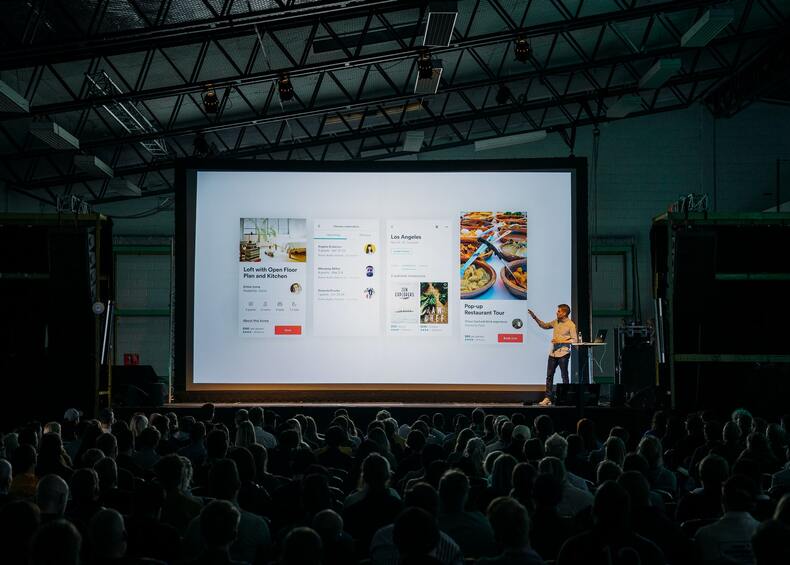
(186, 170)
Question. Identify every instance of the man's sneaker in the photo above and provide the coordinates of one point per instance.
(545, 402)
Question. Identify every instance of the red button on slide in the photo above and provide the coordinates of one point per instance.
(287, 330)
(510, 338)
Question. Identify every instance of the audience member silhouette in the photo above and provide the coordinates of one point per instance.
(510, 522)
(469, 529)
(56, 543)
(611, 539)
(219, 528)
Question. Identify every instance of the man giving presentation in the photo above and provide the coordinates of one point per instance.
(560, 353)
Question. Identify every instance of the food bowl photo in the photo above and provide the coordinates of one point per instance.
(478, 278)
(514, 246)
(469, 245)
(516, 286)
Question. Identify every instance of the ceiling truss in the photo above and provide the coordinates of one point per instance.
(353, 66)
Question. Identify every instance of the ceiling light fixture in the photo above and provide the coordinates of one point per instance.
(707, 27)
(94, 166)
(441, 22)
(625, 105)
(54, 135)
(124, 188)
(657, 75)
(11, 101)
(389, 111)
(413, 141)
(510, 140)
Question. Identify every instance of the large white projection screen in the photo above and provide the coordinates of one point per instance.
(356, 278)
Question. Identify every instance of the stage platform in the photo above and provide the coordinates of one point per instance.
(565, 417)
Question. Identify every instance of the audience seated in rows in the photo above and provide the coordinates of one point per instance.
(475, 487)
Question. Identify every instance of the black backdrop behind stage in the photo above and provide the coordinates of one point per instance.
(47, 329)
(730, 307)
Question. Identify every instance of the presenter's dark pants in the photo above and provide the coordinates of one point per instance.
(554, 362)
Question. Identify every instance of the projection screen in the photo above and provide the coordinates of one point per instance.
(389, 276)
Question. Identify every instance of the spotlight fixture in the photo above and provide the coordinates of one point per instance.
(503, 94)
(522, 50)
(210, 100)
(425, 65)
(285, 88)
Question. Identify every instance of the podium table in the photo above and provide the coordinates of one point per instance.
(589, 347)
(580, 348)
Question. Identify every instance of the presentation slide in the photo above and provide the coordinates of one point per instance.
(377, 278)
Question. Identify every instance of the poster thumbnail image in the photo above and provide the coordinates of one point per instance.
(275, 240)
(433, 302)
(493, 255)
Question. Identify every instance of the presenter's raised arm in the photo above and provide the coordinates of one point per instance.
(540, 322)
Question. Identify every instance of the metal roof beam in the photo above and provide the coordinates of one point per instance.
(173, 129)
(171, 35)
(353, 134)
(344, 62)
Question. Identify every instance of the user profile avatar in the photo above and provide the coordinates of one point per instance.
(517, 323)
(368, 293)
(296, 288)
(369, 271)
(370, 248)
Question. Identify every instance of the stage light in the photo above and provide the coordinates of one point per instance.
(503, 94)
(522, 50)
(425, 65)
(210, 100)
(285, 88)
